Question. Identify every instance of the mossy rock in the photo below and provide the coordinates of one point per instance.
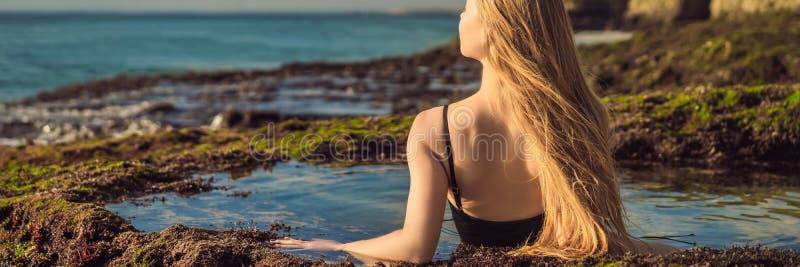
(750, 51)
(712, 126)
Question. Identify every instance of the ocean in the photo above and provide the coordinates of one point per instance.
(41, 51)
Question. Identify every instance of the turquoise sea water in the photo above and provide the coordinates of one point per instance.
(44, 51)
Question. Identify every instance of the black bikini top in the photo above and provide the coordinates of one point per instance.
(479, 232)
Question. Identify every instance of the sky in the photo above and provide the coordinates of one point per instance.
(228, 5)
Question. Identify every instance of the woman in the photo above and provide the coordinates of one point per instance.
(549, 188)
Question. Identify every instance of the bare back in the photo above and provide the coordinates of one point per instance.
(497, 182)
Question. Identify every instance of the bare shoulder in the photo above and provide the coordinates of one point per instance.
(654, 247)
(427, 123)
(429, 118)
(425, 131)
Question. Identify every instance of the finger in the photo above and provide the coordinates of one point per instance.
(285, 243)
(290, 242)
(289, 245)
(278, 239)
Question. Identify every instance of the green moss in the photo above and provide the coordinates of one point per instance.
(731, 98)
(675, 103)
(23, 249)
(85, 214)
(793, 100)
(205, 148)
(7, 202)
(746, 117)
(622, 103)
(613, 263)
(699, 118)
(302, 139)
(21, 178)
(756, 89)
(54, 206)
(147, 255)
(100, 166)
(685, 112)
(11, 167)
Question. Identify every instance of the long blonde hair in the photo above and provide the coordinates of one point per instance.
(532, 49)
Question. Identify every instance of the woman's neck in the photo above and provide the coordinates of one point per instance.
(490, 88)
(489, 79)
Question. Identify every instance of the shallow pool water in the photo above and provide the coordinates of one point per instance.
(355, 203)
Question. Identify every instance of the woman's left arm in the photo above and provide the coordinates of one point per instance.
(416, 242)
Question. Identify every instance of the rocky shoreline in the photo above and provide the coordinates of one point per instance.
(682, 95)
(123, 105)
(652, 83)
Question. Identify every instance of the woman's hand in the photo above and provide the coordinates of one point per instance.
(314, 244)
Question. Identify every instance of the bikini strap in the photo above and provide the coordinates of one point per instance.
(449, 151)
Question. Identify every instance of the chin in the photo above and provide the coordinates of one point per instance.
(466, 53)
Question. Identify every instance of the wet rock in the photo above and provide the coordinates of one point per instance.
(48, 230)
(240, 194)
(161, 107)
(16, 128)
(736, 126)
(737, 256)
(183, 246)
(246, 119)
